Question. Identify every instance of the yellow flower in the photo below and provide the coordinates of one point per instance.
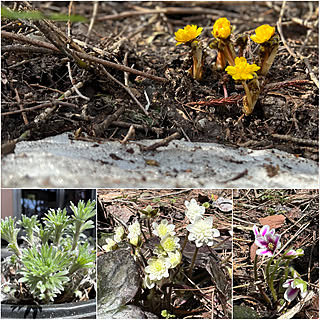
(263, 33)
(187, 34)
(221, 28)
(242, 70)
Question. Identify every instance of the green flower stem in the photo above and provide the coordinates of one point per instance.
(193, 261)
(273, 291)
(76, 235)
(255, 268)
(286, 272)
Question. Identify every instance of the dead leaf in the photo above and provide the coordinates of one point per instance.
(273, 222)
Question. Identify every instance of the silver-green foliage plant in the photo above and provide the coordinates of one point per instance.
(55, 258)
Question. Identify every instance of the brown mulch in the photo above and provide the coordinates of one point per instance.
(140, 35)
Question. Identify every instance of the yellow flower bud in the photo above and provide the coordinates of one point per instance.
(221, 28)
(263, 34)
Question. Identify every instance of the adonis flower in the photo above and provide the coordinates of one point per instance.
(263, 34)
(194, 211)
(242, 70)
(221, 28)
(163, 228)
(267, 240)
(188, 33)
(157, 268)
(202, 232)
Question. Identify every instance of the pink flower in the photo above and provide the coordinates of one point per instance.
(267, 240)
(294, 286)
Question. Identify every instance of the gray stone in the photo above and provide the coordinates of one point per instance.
(118, 279)
(63, 163)
(127, 312)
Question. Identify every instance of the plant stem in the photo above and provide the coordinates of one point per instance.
(184, 242)
(255, 269)
(193, 261)
(149, 227)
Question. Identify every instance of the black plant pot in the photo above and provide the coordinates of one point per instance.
(73, 310)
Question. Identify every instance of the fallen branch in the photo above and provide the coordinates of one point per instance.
(162, 143)
(285, 137)
(22, 38)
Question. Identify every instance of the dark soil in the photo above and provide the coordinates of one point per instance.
(209, 297)
(146, 42)
(299, 224)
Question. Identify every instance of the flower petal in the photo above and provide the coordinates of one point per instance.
(264, 252)
(291, 294)
(264, 230)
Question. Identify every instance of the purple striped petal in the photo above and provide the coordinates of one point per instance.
(291, 294)
(264, 252)
(291, 253)
(264, 230)
(272, 231)
(276, 241)
(261, 242)
(287, 283)
(255, 231)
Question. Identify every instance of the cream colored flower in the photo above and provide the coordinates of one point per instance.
(202, 232)
(170, 243)
(157, 268)
(111, 244)
(119, 233)
(194, 211)
(163, 228)
(174, 258)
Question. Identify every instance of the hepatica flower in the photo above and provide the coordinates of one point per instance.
(174, 258)
(267, 240)
(187, 34)
(163, 228)
(263, 34)
(242, 69)
(157, 268)
(221, 28)
(111, 244)
(294, 286)
(291, 254)
(134, 233)
(119, 233)
(202, 232)
(194, 211)
(170, 243)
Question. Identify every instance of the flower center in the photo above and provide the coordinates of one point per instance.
(271, 246)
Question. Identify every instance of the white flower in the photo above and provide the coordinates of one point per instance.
(110, 245)
(202, 232)
(147, 283)
(170, 243)
(174, 258)
(157, 268)
(163, 228)
(119, 234)
(194, 211)
(134, 230)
